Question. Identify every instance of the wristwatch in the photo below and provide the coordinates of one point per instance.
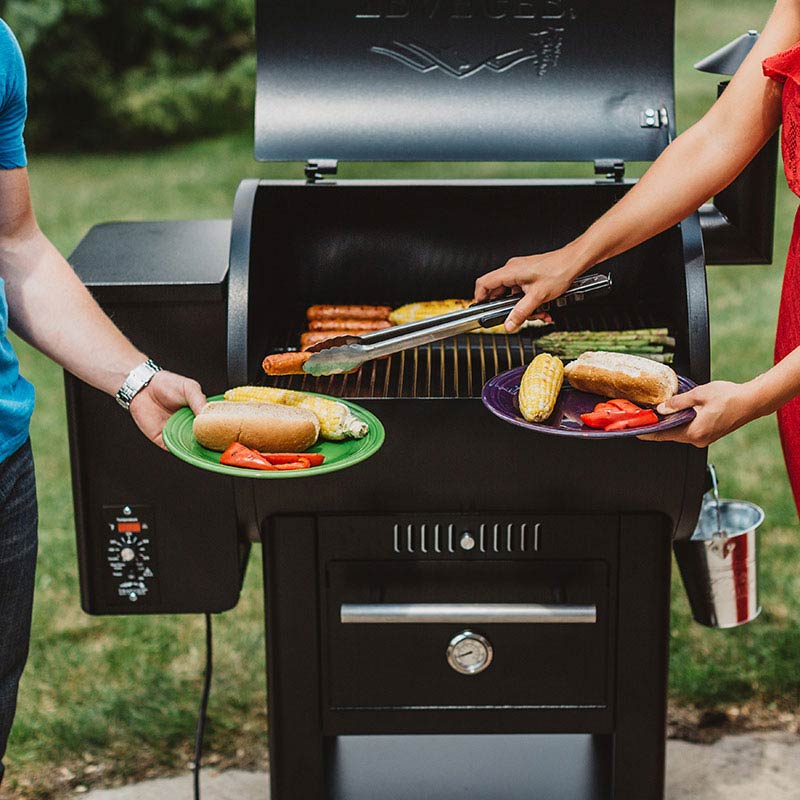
(137, 379)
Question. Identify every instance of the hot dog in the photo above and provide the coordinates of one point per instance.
(310, 338)
(348, 312)
(285, 363)
(349, 325)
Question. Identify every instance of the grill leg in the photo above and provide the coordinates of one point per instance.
(642, 658)
(293, 680)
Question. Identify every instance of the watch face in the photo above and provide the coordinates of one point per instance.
(469, 653)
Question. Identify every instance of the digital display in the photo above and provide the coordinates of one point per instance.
(129, 527)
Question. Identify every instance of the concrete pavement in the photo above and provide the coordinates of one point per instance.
(759, 766)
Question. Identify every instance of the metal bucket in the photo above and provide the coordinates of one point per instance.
(718, 564)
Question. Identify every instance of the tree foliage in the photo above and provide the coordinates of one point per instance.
(110, 74)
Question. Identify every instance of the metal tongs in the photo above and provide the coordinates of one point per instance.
(346, 353)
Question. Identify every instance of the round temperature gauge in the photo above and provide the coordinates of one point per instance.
(469, 653)
(128, 556)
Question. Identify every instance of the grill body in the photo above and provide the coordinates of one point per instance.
(365, 710)
(359, 710)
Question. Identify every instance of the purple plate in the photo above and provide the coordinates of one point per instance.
(500, 397)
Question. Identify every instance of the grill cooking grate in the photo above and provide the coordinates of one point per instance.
(456, 367)
(453, 368)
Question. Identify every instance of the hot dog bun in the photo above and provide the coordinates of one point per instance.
(634, 378)
(267, 427)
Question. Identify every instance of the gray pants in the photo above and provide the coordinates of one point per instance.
(18, 542)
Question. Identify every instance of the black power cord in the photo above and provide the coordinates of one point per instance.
(201, 719)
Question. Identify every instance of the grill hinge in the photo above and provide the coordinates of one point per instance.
(654, 118)
(611, 168)
(317, 168)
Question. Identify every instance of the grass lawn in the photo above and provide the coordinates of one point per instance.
(106, 699)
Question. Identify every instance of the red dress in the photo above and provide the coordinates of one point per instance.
(785, 67)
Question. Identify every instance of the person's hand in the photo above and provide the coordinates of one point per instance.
(160, 399)
(721, 407)
(541, 277)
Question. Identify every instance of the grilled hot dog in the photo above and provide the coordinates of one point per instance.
(349, 325)
(285, 363)
(348, 312)
(310, 338)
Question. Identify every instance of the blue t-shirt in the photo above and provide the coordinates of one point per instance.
(16, 394)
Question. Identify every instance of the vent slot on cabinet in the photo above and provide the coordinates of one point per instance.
(451, 538)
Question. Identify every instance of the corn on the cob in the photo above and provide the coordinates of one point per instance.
(414, 312)
(539, 387)
(336, 421)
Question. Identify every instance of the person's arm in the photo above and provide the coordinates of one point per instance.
(51, 309)
(698, 164)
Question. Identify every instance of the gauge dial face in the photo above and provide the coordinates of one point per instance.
(128, 556)
(469, 653)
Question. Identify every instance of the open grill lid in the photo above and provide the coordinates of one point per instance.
(464, 80)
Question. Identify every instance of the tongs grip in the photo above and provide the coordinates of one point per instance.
(597, 285)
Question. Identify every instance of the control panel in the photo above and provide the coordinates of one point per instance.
(130, 554)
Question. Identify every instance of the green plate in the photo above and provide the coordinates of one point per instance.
(180, 441)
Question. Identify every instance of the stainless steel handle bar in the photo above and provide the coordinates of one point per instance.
(390, 613)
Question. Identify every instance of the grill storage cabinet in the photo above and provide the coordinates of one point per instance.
(475, 611)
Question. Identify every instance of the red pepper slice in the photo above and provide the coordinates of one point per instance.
(301, 463)
(645, 418)
(314, 459)
(237, 455)
(602, 408)
(601, 419)
(624, 405)
(596, 419)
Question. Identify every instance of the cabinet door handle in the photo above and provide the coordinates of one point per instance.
(528, 613)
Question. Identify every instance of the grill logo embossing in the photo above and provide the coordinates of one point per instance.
(540, 48)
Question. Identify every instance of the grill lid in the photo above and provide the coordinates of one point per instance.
(463, 80)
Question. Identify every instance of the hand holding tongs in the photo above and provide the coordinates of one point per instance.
(345, 353)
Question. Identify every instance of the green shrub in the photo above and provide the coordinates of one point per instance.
(112, 74)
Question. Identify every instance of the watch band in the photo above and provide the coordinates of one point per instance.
(137, 379)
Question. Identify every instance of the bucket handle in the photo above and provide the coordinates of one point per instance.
(718, 533)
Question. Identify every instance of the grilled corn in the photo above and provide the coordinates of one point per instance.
(336, 421)
(539, 387)
(414, 312)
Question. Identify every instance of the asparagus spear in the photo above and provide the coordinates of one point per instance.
(583, 337)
